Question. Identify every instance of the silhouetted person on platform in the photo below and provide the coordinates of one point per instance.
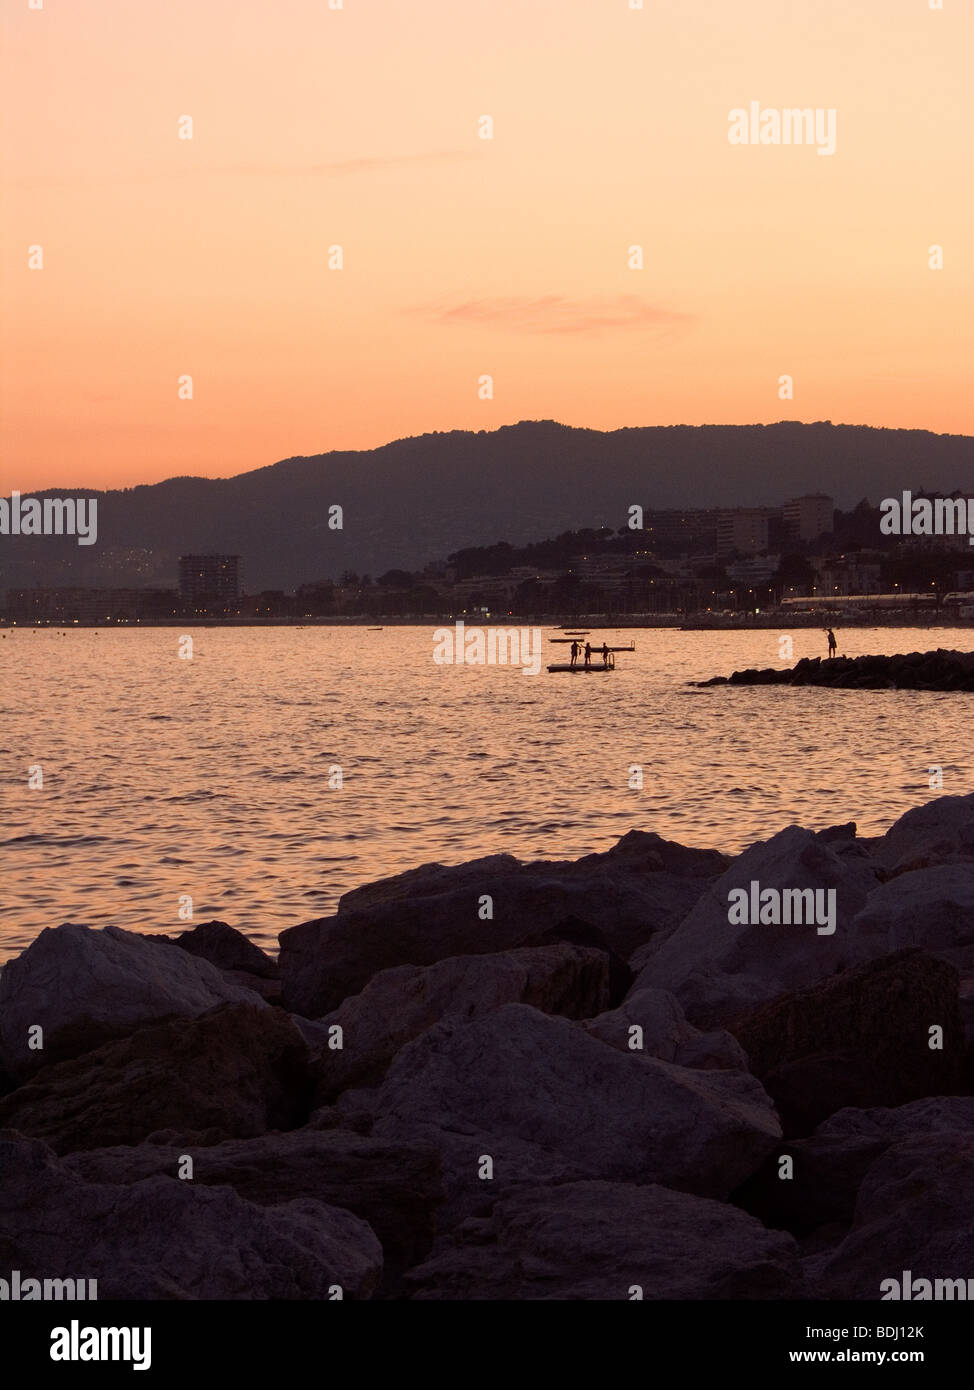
(605, 654)
(833, 645)
(575, 651)
(588, 655)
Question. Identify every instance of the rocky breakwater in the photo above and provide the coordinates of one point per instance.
(655, 1072)
(939, 670)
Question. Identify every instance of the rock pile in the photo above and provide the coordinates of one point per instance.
(939, 670)
(612, 1084)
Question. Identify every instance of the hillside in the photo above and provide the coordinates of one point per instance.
(417, 499)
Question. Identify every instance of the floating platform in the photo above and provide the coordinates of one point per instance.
(596, 651)
(596, 668)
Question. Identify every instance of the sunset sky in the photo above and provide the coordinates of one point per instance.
(462, 256)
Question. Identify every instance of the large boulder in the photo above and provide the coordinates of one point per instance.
(396, 1188)
(639, 853)
(604, 1241)
(717, 967)
(652, 1021)
(572, 931)
(236, 1072)
(642, 885)
(932, 1115)
(861, 1038)
(398, 1005)
(162, 1239)
(227, 949)
(243, 962)
(820, 1186)
(84, 987)
(520, 1097)
(428, 881)
(939, 832)
(932, 908)
(913, 1214)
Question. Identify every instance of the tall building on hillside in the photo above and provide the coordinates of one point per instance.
(744, 530)
(209, 580)
(807, 518)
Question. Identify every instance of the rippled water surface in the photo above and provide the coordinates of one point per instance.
(210, 777)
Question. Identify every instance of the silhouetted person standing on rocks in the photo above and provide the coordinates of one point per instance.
(588, 655)
(575, 651)
(833, 645)
(605, 654)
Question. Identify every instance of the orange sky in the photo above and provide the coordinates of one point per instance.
(358, 126)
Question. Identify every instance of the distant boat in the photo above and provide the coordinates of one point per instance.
(373, 629)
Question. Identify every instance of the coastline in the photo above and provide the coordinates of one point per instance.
(604, 621)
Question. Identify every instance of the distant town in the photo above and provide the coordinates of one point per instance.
(706, 567)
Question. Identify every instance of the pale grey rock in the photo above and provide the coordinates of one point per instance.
(396, 1188)
(165, 1239)
(665, 1033)
(603, 1241)
(642, 885)
(939, 832)
(546, 1103)
(716, 968)
(84, 987)
(913, 1212)
(398, 1005)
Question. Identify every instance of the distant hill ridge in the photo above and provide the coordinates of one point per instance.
(417, 499)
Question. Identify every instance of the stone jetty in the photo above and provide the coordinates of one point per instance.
(938, 670)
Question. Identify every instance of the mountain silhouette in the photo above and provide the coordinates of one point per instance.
(418, 499)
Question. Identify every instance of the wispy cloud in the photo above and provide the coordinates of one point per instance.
(557, 313)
